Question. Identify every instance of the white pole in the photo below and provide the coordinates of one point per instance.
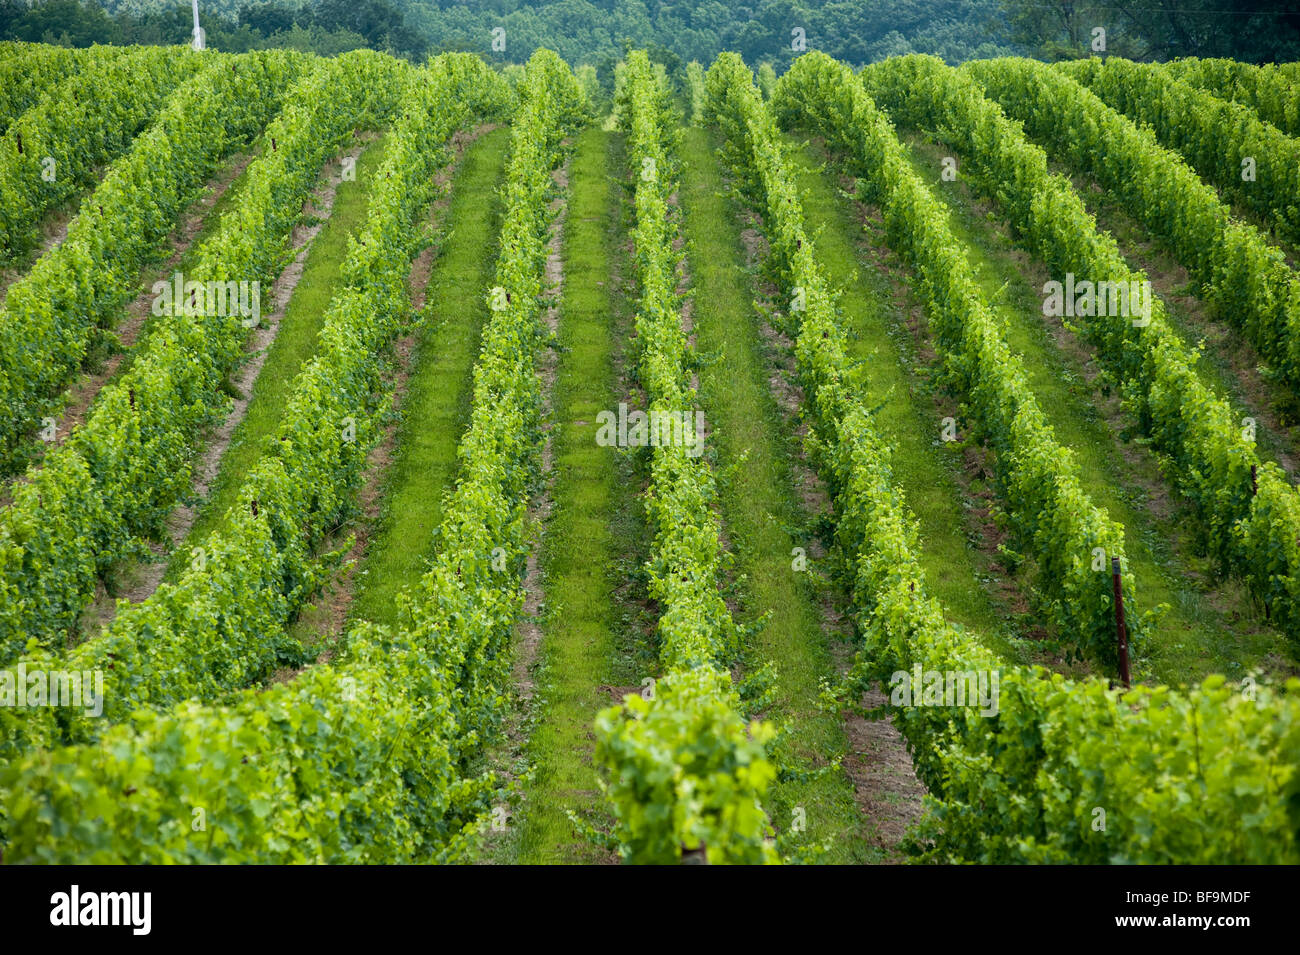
(198, 43)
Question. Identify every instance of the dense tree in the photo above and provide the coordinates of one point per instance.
(328, 28)
(1259, 31)
(763, 31)
(66, 22)
(268, 18)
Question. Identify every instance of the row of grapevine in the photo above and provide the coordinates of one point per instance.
(1266, 89)
(467, 606)
(29, 72)
(220, 626)
(53, 150)
(370, 758)
(1203, 776)
(1052, 515)
(1210, 453)
(74, 290)
(682, 771)
(112, 484)
(1249, 160)
(695, 92)
(1244, 279)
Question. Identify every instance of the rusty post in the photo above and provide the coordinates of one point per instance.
(1120, 630)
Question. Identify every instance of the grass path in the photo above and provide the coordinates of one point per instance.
(591, 536)
(436, 405)
(972, 587)
(763, 517)
(1210, 625)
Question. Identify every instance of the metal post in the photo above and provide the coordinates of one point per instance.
(197, 43)
(1119, 620)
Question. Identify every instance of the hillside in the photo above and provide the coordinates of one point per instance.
(650, 462)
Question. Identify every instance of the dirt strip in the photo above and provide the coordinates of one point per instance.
(327, 614)
(83, 393)
(539, 511)
(144, 578)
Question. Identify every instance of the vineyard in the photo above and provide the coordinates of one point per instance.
(451, 464)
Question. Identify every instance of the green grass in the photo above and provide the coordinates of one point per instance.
(593, 526)
(759, 510)
(435, 409)
(923, 465)
(1210, 625)
(296, 341)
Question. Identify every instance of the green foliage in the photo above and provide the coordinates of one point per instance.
(1051, 514)
(582, 31)
(77, 289)
(220, 626)
(1203, 776)
(349, 763)
(1267, 89)
(143, 432)
(30, 71)
(1262, 30)
(681, 771)
(1209, 455)
(586, 31)
(1214, 136)
(689, 771)
(81, 124)
(695, 92)
(590, 83)
(369, 758)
